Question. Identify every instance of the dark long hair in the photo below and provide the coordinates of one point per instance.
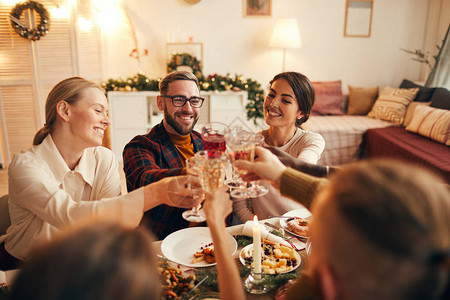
(303, 90)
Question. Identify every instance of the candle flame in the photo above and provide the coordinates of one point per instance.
(255, 220)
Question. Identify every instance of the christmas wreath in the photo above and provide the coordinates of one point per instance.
(30, 33)
(185, 59)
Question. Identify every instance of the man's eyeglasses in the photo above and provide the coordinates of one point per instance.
(179, 101)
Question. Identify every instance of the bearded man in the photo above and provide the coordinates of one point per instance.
(163, 151)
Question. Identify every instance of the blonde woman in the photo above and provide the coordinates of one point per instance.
(286, 107)
(66, 176)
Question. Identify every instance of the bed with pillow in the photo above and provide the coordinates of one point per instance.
(385, 123)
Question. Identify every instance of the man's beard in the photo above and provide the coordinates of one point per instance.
(176, 126)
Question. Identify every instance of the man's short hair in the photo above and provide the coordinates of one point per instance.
(174, 76)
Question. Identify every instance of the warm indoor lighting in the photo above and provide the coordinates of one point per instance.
(286, 35)
(84, 24)
(110, 17)
(10, 2)
(60, 12)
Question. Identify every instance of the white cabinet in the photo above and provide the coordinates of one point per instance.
(134, 113)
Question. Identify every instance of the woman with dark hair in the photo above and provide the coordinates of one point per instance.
(95, 261)
(286, 107)
(67, 176)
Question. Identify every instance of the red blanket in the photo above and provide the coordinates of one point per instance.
(397, 143)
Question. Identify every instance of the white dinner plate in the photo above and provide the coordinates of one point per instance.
(181, 245)
(250, 247)
(300, 213)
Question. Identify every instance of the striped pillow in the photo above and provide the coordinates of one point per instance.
(392, 103)
(431, 122)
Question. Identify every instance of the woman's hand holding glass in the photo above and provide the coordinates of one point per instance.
(266, 166)
(241, 146)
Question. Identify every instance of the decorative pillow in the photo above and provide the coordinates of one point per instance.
(410, 111)
(391, 104)
(431, 122)
(441, 98)
(328, 98)
(360, 100)
(423, 95)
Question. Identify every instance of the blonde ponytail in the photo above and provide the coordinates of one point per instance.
(67, 90)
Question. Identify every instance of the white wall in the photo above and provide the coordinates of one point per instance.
(236, 44)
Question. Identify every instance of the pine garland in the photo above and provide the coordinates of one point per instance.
(215, 82)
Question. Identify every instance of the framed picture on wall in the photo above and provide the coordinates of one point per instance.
(257, 8)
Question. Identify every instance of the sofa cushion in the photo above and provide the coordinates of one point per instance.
(423, 95)
(410, 111)
(328, 98)
(431, 122)
(391, 104)
(441, 98)
(361, 99)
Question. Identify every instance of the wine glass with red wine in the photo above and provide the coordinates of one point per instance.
(213, 136)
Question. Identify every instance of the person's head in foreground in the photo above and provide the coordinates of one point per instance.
(77, 110)
(99, 261)
(180, 100)
(381, 230)
(289, 100)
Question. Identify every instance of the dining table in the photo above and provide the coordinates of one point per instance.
(238, 230)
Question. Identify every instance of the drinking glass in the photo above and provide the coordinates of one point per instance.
(195, 214)
(256, 190)
(241, 145)
(213, 136)
(212, 164)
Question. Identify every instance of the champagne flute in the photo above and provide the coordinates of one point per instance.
(195, 214)
(212, 165)
(256, 190)
(241, 145)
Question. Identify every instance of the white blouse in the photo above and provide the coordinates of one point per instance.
(45, 195)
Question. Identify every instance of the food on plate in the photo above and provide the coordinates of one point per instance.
(298, 226)
(174, 283)
(205, 253)
(277, 258)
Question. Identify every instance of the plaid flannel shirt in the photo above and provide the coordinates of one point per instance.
(149, 158)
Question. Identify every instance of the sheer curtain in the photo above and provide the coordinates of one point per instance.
(440, 75)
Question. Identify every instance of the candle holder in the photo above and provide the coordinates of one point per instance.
(254, 283)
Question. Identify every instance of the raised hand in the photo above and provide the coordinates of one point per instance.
(266, 166)
(177, 191)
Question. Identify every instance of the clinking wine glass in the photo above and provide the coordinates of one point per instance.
(212, 164)
(256, 190)
(213, 138)
(195, 214)
(241, 146)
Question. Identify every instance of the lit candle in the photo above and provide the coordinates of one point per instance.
(256, 246)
